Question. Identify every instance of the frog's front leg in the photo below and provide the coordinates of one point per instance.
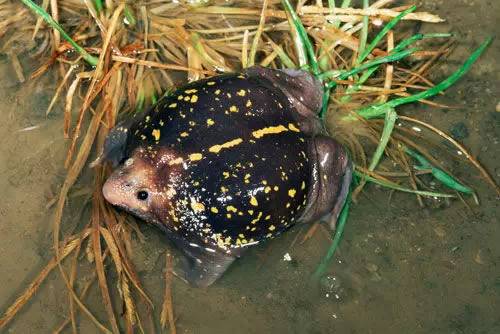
(202, 265)
(331, 174)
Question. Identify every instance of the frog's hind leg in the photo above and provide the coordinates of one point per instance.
(331, 174)
(203, 265)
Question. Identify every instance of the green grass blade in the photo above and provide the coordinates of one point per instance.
(390, 121)
(346, 74)
(324, 106)
(302, 34)
(51, 22)
(129, 16)
(417, 37)
(154, 99)
(392, 185)
(384, 32)
(364, 34)
(378, 110)
(323, 265)
(141, 99)
(284, 58)
(344, 4)
(400, 47)
(439, 174)
(323, 61)
(98, 6)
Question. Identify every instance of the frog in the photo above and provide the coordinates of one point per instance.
(225, 163)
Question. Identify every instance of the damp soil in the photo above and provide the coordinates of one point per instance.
(400, 268)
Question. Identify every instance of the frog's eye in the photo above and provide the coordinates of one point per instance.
(142, 195)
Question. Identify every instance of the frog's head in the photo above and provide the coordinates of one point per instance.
(143, 184)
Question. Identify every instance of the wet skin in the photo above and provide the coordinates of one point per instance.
(226, 163)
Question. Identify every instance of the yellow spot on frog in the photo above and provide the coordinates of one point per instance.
(143, 137)
(268, 217)
(276, 188)
(233, 109)
(187, 98)
(292, 192)
(224, 189)
(184, 134)
(161, 123)
(214, 209)
(226, 174)
(288, 205)
(210, 83)
(253, 201)
(269, 130)
(250, 212)
(217, 92)
(195, 156)
(156, 134)
(292, 127)
(303, 185)
(241, 92)
(229, 95)
(176, 161)
(228, 215)
(197, 206)
(194, 98)
(190, 91)
(229, 144)
(249, 104)
(272, 228)
(231, 208)
(173, 105)
(210, 122)
(264, 182)
(267, 189)
(256, 219)
(180, 97)
(172, 214)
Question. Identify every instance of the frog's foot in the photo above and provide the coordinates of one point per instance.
(201, 266)
(331, 173)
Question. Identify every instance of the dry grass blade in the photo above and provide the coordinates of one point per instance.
(124, 284)
(17, 67)
(83, 294)
(256, 39)
(95, 78)
(99, 265)
(167, 311)
(59, 89)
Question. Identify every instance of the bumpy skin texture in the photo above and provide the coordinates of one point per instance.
(227, 162)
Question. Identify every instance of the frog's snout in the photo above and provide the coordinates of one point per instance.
(112, 189)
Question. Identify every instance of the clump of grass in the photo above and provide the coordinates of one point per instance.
(129, 54)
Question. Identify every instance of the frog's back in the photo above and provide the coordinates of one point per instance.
(246, 170)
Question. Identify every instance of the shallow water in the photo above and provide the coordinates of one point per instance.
(399, 269)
